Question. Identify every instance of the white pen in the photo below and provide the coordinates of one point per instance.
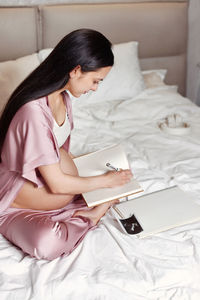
(112, 167)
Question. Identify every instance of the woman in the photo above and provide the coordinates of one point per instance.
(41, 210)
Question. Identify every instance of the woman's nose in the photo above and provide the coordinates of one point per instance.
(94, 87)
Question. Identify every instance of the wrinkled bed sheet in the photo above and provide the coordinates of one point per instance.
(108, 264)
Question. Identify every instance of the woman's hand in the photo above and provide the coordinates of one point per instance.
(117, 178)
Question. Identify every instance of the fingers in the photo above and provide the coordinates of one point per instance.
(115, 201)
(117, 178)
(112, 202)
(126, 175)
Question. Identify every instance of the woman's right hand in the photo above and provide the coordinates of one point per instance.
(117, 178)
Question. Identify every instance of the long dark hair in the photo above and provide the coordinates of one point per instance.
(85, 47)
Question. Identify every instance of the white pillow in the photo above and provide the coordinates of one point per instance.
(12, 73)
(125, 79)
(154, 78)
(42, 54)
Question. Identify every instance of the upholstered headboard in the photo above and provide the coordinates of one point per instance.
(159, 27)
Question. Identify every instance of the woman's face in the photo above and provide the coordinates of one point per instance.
(83, 82)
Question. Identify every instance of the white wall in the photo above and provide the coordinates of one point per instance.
(193, 72)
(193, 77)
(35, 2)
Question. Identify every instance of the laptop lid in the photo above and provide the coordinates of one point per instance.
(158, 211)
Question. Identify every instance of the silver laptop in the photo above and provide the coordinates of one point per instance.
(156, 212)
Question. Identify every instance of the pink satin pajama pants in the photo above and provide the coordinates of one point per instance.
(45, 234)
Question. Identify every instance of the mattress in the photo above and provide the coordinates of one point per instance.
(108, 264)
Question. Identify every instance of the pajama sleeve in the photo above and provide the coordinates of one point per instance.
(30, 142)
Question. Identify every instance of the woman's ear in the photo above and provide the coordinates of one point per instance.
(75, 72)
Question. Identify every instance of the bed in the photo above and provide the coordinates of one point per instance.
(150, 47)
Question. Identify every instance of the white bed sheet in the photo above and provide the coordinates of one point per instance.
(108, 264)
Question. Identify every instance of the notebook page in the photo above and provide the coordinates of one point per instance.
(94, 164)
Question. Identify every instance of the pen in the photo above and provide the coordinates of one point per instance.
(112, 167)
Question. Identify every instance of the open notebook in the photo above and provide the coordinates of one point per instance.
(156, 212)
(94, 164)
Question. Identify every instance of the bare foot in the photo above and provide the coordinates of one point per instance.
(96, 213)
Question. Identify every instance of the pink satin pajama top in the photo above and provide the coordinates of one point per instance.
(30, 142)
